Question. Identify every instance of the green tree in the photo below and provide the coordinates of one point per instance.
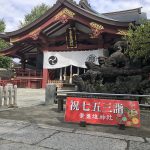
(35, 13)
(2, 25)
(3, 44)
(138, 38)
(5, 62)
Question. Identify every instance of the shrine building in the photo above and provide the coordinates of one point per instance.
(56, 45)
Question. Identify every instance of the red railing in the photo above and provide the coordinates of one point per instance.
(25, 79)
(28, 73)
(5, 82)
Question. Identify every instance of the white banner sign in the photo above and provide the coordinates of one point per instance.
(53, 60)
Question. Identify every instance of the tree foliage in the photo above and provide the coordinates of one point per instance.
(35, 13)
(2, 25)
(3, 44)
(5, 62)
(138, 38)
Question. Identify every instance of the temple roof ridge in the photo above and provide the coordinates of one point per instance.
(124, 11)
(85, 2)
(71, 4)
(71, 1)
(86, 5)
(91, 11)
(99, 15)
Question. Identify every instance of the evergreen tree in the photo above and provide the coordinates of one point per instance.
(138, 38)
(5, 62)
(35, 13)
(3, 44)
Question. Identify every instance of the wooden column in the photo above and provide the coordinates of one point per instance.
(70, 80)
(60, 78)
(23, 63)
(84, 70)
(65, 74)
(45, 74)
(45, 77)
(78, 70)
(103, 40)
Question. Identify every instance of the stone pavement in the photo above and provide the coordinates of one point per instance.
(30, 97)
(33, 126)
(23, 135)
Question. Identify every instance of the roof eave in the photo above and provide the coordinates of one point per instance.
(124, 11)
(39, 20)
(4, 36)
(93, 16)
(56, 6)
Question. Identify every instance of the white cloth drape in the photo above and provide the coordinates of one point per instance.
(53, 60)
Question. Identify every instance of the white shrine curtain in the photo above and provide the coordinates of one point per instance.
(53, 60)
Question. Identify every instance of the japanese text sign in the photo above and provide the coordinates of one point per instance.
(103, 111)
(71, 38)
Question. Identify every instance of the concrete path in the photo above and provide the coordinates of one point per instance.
(33, 126)
(30, 97)
(22, 135)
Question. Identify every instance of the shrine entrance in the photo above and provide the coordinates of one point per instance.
(57, 45)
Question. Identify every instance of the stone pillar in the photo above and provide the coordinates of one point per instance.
(45, 77)
(15, 95)
(60, 78)
(50, 94)
(5, 95)
(70, 80)
(10, 93)
(1, 95)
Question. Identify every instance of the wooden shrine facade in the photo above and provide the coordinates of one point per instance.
(66, 27)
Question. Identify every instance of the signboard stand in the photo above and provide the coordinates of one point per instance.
(82, 123)
(122, 126)
(123, 113)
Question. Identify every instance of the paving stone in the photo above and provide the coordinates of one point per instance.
(30, 135)
(4, 142)
(45, 126)
(72, 141)
(115, 136)
(2, 121)
(7, 126)
(148, 139)
(30, 97)
(20, 146)
(139, 146)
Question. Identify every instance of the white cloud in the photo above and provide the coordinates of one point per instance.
(113, 5)
(14, 10)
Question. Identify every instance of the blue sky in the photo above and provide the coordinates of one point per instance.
(13, 11)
